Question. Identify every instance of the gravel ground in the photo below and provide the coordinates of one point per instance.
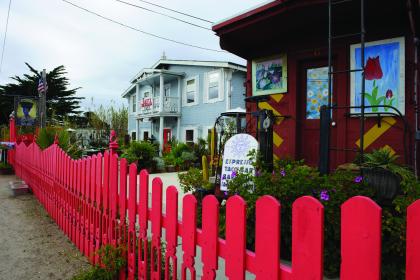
(31, 244)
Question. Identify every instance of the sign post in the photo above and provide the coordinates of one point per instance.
(42, 90)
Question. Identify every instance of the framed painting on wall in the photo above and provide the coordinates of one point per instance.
(26, 109)
(269, 75)
(384, 74)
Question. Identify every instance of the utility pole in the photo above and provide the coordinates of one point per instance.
(43, 100)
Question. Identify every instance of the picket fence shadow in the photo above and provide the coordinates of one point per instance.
(94, 202)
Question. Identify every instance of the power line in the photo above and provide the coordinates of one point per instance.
(175, 11)
(5, 35)
(141, 31)
(162, 14)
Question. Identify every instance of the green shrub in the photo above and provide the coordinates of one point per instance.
(291, 180)
(200, 150)
(142, 153)
(175, 156)
(46, 138)
(192, 179)
(5, 165)
(112, 259)
(160, 163)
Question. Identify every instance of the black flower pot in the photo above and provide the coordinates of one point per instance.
(385, 183)
(200, 193)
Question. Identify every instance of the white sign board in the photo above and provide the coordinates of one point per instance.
(236, 159)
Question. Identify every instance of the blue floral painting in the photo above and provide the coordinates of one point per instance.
(269, 75)
(316, 91)
(384, 76)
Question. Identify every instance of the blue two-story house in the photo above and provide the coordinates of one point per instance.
(182, 98)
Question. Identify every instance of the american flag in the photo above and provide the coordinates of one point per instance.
(42, 86)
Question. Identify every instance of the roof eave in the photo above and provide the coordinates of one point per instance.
(216, 27)
(127, 91)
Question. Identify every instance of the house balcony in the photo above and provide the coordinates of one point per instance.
(154, 106)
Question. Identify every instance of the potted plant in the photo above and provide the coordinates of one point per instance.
(188, 158)
(381, 171)
(141, 153)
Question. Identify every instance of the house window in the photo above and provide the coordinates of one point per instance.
(145, 135)
(189, 136)
(133, 136)
(133, 101)
(213, 85)
(146, 94)
(167, 91)
(190, 91)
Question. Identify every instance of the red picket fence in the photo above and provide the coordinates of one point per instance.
(99, 200)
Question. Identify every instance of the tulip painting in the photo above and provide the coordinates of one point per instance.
(269, 75)
(384, 75)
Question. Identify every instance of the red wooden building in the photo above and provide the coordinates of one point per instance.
(286, 45)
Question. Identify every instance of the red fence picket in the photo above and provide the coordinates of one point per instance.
(235, 237)
(132, 202)
(143, 208)
(413, 241)
(171, 261)
(209, 235)
(307, 238)
(100, 200)
(360, 239)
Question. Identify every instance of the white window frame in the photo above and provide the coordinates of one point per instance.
(195, 133)
(147, 91)
(206, 132)
(131, 135)
(133, 103)
(184, 95)
(167, 87)
(220, 87)
(142, 131)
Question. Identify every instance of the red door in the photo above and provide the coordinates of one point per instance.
(312, 94)
(167, 136)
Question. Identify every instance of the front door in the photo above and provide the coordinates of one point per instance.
(167, 136)
(312, 94)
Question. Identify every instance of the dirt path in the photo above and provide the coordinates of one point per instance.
(31, 244)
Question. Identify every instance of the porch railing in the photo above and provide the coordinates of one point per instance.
(101, 200)
(151, 105)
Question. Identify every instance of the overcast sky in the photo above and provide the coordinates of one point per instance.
(100, 56)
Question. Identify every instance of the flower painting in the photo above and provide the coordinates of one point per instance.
(316, 91)
(269, 75)
(384, 75)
